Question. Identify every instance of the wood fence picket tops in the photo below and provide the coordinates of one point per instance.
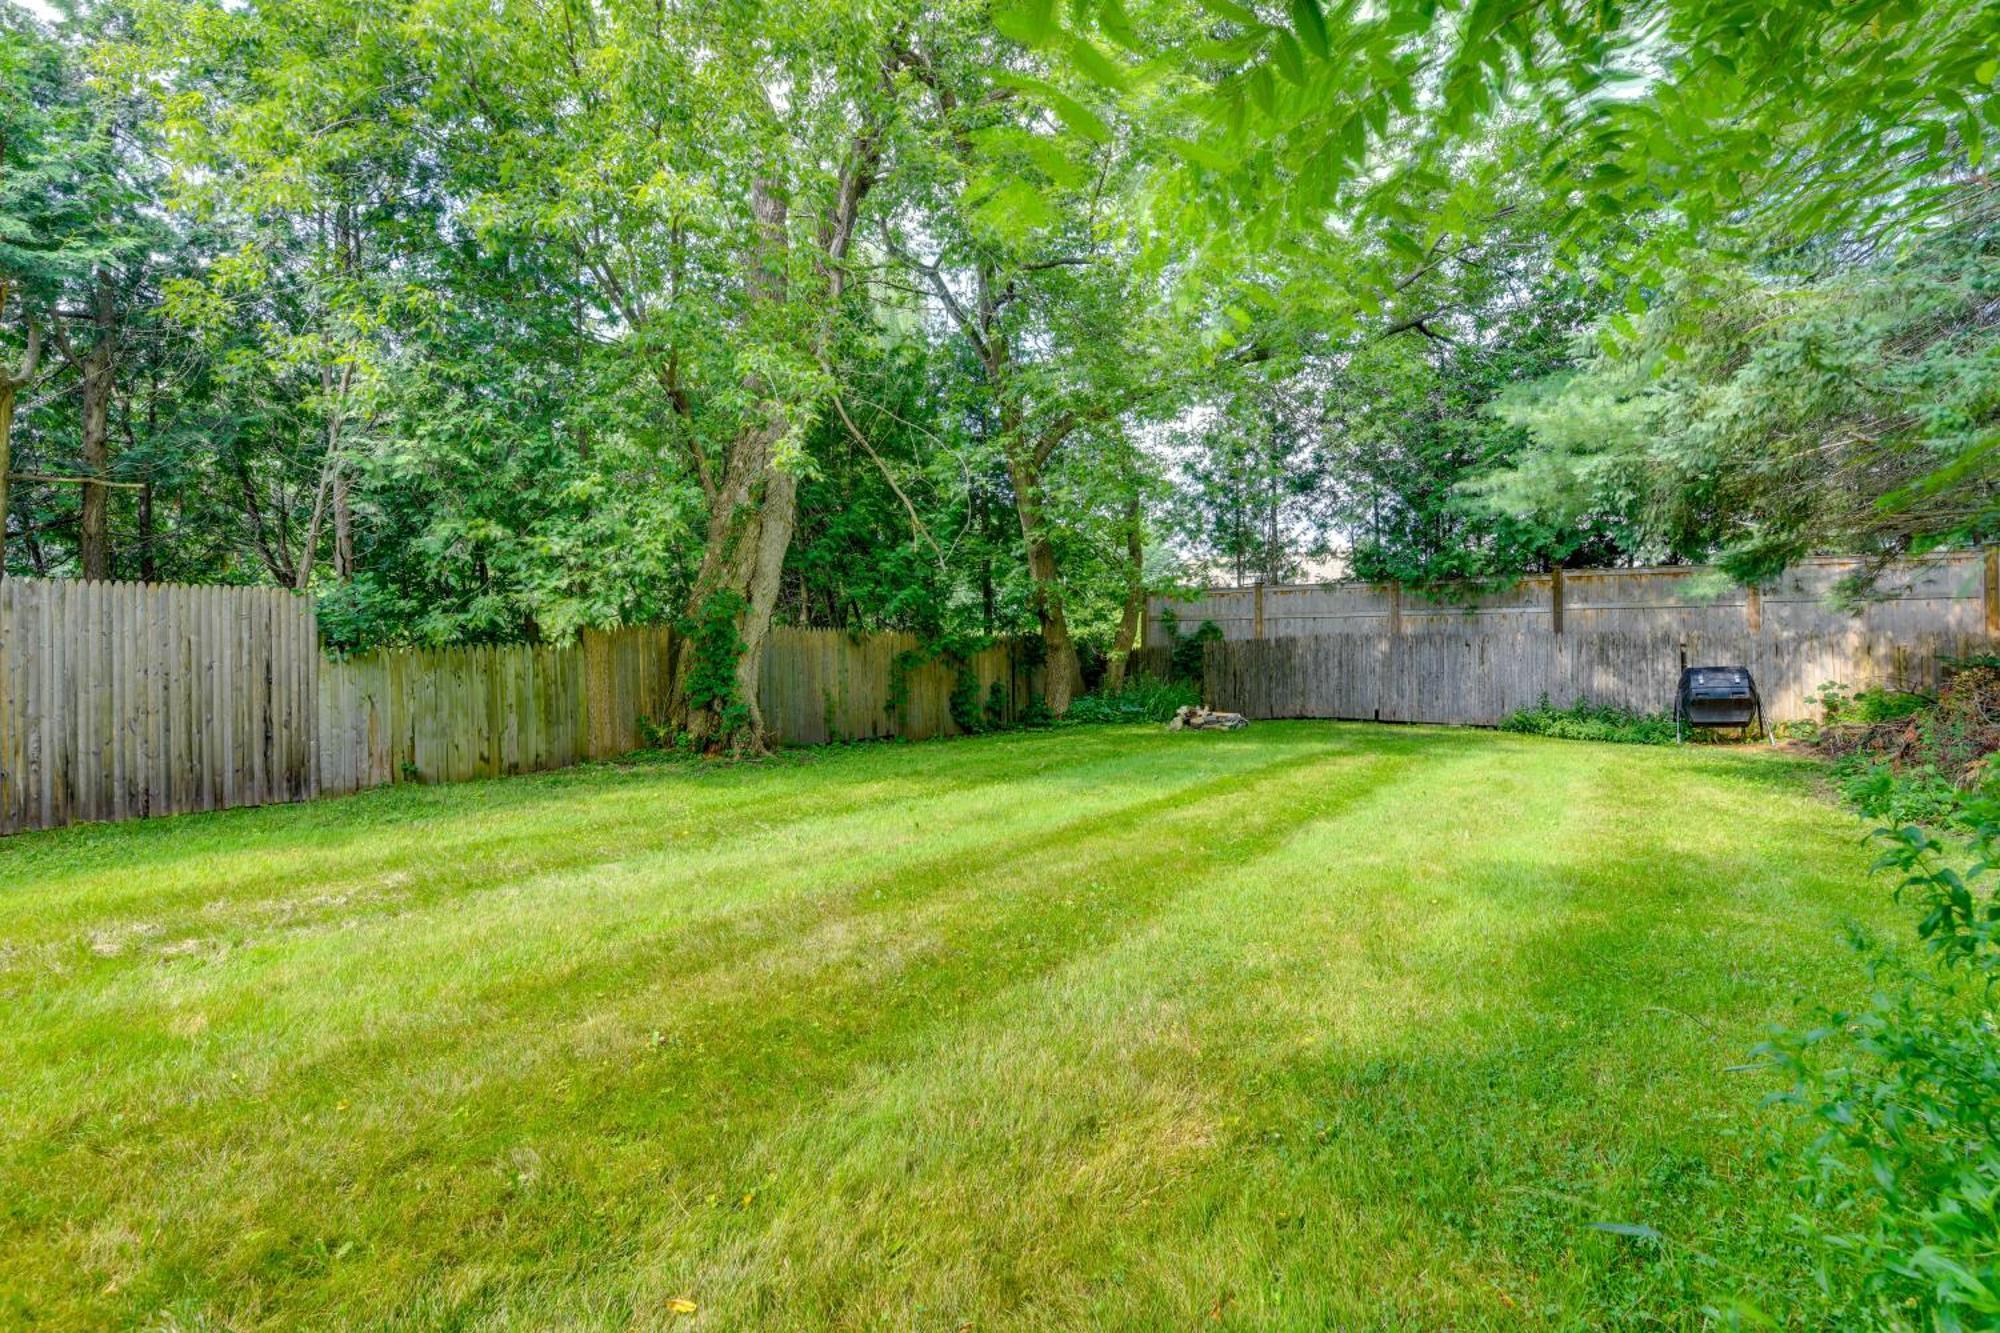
(121, 700)
(124, 700)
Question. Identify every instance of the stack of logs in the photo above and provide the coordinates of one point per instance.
(1190, 718)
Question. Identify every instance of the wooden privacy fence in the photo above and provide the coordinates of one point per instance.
(1608, 636)
(119, 700)
(1953, 592)
(124, 700)
(1480, 679)
(820, 685)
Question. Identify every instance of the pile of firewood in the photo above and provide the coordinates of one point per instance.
(1190, 718)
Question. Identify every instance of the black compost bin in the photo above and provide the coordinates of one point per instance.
(1717, 696)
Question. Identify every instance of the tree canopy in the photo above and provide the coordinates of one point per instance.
(488, 322)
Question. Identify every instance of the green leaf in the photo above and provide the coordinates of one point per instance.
(1115, 23)
(1200, 155)
(1228, 9)
(1285, 54)
(1310, 24)
(1095, 65)
(1263, 95)
(1080, 118)
(1030, 22)
(1014, 209)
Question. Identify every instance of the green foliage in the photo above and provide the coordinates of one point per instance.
(1901, 1096)
(1184, 651)
(1750, 419)
(1869, 705)
(1140, 699)
(1910, 758)
(965, 701)
(1904, 794)
(710, 682)
(1586, 721)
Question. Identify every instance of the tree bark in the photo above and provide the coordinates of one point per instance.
(330, 469)
(343, 526)
(749, 532)
(149, 562)
(750, 524)
(1064, 674)
(8, 388)
(1135, 599)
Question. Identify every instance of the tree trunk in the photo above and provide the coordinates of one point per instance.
(12, 381)
(343, 526)
(7, 392)
(1135, 600)
(95, 527)
(750, 522)
(749, 531)
(149, 561)
(1064, 679)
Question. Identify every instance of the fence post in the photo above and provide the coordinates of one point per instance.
(1556, 599)
(1992, 591)
(1257, 613)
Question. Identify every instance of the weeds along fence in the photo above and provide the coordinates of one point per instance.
(1359, 650)
(119, 701)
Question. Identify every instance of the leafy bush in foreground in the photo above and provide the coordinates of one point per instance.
(1585, 721)
(1903, 1095)
(1142, 699)
(1916, 795)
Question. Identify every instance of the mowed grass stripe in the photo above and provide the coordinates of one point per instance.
(1203, 1146)
(428, 843)
(1306, 1025)
(767, 1027)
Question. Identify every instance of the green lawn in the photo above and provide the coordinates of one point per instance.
(1307, 1025)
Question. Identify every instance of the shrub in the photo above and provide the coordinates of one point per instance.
(1142, 699)
(1585, 721)
(711, 678)
(1916, 795)
(1868, 706)
(1902, 1096)
(1184, 650)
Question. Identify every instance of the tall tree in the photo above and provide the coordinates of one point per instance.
(1013, 231)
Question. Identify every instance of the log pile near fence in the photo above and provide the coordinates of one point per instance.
(124, 700)
(1608, 636)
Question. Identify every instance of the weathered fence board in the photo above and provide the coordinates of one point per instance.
(1480, 678)
(1949, 592)
(124, 700)
(820, 685)
(1357, 650)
